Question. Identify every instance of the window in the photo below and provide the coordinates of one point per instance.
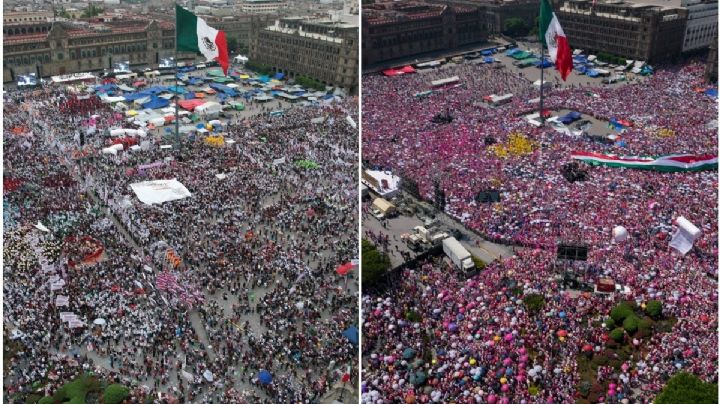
(60, 56)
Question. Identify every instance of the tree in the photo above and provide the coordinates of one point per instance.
(618, 335)
(92, 11)
(535, 27)
(515, 26)
(232, 43)
(115, 394)
(686, 388)
(620, 312)
(630, 324)
(654, 309)
(46, 400)
(374, 264)
(534, 302)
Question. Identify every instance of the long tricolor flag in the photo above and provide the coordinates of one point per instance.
(194, 35)
(669, 163)
(552, 34)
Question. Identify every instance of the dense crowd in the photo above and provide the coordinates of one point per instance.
(538, 209)
(256, 248)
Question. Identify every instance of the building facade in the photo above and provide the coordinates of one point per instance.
(393, 30)
(326, 51)
(702, 24)
(64, 48)
(261, 6)
(26, 17)
(634, 31)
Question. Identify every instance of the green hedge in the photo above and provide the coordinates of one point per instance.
(686, 388)
(630, 324)
(534, 302)
(115, 394)
(654, 309)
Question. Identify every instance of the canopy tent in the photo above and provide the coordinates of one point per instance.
(407, 69)
(223, 80)
(263, 79)
(520, 55)
(177, 89)
(570, 117)
(210, 107)
(106, 88)
(487, 52)
(543, 64)
(225, 89)
(215, 73)
(351, 333)
(195, 81)
(488, 60)
(278, 76)
(712, 92)
(190, 104)
(156, 103)
(128, 132)
(442, 82)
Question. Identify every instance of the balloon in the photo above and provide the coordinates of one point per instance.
(505, 388)
(492, 399)
(473, 361)
(619, 234)
(503, 380)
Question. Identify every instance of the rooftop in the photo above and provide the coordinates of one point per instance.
(383, 13)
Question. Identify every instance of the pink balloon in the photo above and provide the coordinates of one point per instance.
(508, 337)
(524, 358)
(522, 351)
(505, 400)
(612, 386)
(611, 392)
(491, 399)
(505, 388)
(507, 361)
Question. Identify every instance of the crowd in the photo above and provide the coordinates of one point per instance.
(538, 210)
(267, 297)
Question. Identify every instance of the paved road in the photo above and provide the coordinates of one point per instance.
(476, 245)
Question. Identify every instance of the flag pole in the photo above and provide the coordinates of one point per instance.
(177, 118)
(542, 71)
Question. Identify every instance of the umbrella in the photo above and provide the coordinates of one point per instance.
(408, 353)
(187, 376)
(100, 321)
(207, 374)
(352, 335)
(344, 268)
(264, 377)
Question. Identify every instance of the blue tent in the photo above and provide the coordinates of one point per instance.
(592, 73)
(265, 377)
(195, 81)
(543, 64)
(713, 92)
(279, 76)
(186, 69)
(570, 117)
(225, 89)
(177, 89)
(328, 97)
(351, 334)
(512, 51)
(486, 52)
(264, 79)
(156, 102)
(189, 95)
(488, 60)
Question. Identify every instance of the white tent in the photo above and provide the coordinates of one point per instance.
(208, 108)
(110, 100)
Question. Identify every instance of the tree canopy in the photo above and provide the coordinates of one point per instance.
(686, 388)
(374, 264)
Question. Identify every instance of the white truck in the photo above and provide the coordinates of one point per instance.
(459, 256)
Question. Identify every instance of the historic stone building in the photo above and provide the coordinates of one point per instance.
(393, 30)
(325, 50)
(630, 30)
(63, 48)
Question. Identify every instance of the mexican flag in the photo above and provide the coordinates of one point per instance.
(551, 32)
(194, 35)
(670, 163)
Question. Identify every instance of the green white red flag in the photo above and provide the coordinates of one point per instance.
(194, 35)
(668, 163)
(557, 43)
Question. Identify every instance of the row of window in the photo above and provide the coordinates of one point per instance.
(28, 60)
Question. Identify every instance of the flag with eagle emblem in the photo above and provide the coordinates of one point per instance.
(557, 43)
(194, 35)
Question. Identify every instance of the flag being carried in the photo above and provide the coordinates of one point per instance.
(194, 35)
(557, 43)
(669, 163)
